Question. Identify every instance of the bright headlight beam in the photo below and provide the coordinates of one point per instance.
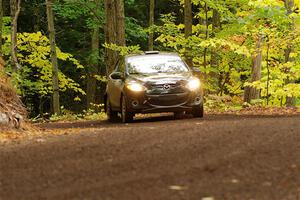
(136, 87)
(194, 84)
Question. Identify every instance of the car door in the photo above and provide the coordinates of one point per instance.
(116, 86)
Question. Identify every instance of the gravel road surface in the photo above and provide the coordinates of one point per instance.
(215, 158)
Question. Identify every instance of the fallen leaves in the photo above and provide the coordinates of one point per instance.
(260, 110)
(38, 135)
(12, 109)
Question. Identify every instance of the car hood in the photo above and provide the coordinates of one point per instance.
(158, 79)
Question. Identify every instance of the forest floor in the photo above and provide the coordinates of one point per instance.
(219, 157)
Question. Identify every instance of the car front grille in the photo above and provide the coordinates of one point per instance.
(161, 89)
(167, 94)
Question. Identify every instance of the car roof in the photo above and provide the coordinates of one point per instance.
(152, 53)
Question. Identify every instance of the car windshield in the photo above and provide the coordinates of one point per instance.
(156, 64)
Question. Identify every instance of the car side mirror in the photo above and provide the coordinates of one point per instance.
(117, 75)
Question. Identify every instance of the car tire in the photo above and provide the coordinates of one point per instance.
(112, 116)
(198, 112)
(126, 116)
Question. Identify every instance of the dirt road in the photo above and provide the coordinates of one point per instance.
(219, 157)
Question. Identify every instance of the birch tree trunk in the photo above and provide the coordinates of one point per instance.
(94, 67)
(51, 28)
(188, 22)
(15, 8)
(151, 23)
(250, 92)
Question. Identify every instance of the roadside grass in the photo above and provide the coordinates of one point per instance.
(298, 102)
(68, 116)
(236, 106)
(78, 117)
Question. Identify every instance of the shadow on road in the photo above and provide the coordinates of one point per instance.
(105, 123)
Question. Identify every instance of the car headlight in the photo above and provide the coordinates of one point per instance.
(194, 84)
(136, 87)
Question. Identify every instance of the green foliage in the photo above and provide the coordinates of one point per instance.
(35, 77)
(232, 56)
(222, 104)
(298, 102)
(123, 50)
(224, 53)
(75, 9)
(68, 115)
(6, 26)
(134, 31)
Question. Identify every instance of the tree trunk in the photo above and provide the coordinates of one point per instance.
(268, 73)
(151, 23)
(206, 36)
(94, 67)
(114, 30)
(216, 27)
(250, 92)
(110, 35)
(1, 26)
(120, 22)
(188, 30)
(15, 8)
(37, 23)
(50, 19)
(289, 4)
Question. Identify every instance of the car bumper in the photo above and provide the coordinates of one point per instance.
(147, 103)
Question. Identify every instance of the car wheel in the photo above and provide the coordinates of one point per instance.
(112, 116)
(126, 116)
(198, 111)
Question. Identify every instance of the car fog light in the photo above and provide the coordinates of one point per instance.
(134, 103)
(197, 100)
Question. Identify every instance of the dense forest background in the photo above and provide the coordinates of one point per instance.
(248, 50)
